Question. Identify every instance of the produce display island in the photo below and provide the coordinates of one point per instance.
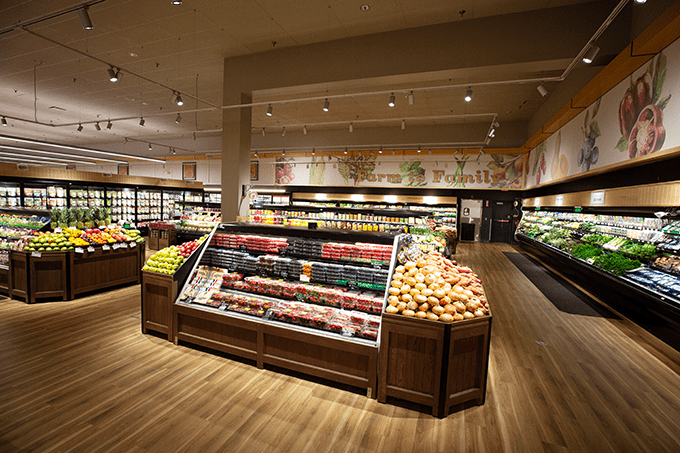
(315, 302)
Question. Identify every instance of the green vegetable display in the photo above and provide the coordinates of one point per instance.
(586, 251)
(615, 263)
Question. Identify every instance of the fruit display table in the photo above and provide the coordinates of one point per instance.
(65, 274)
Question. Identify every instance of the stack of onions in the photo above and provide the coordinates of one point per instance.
(436, 288)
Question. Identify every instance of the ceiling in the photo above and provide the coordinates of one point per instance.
(53, 73)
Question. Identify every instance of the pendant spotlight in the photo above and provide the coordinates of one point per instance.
(264, 133)
(179, 99)
(418, 148)
(345, 150)
(351, 127)
(326, 105)
(403, 124)
(380, 150)
(113, 74)
(590, 54)
(468, 95)
(4, 121)
(283, 152)
(141, 122)
(85, 18)
(178, 119)
(97, 126)
(391, 103)
(257, 155)
(172, 151)
(542, 89)
(80, 128)
(149, 146)
(269, 110)
(411, 100)
(109, 126)
(283, 132)
(304, 129)
(313, 152)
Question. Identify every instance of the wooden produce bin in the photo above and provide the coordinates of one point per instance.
(153, 239)
(4, 279)
(159, 292)
(411, 358)
(101, 269)
(166, 238)
(432, 363)
(38, 275)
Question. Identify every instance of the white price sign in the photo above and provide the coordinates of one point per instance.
(36, 254)
(79, 250)
(90, 249)
(57, 230)
(123, 245)
(133, 245)
(597, 198)
(116, 246)
(537, 202)
(559, 200)
(106, 247)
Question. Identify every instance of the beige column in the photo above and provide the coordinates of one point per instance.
(235, 155)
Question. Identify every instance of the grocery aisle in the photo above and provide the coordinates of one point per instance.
(80, 376)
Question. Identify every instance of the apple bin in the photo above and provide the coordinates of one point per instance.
(162, 275)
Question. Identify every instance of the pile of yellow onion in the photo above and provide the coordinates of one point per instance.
(435, 288)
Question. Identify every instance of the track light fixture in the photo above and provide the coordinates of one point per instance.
(496, 123)
(403, 124)
(313, 152)
(269, 110)
(283, 132)
(97, 126)
(326, 105)
(391, 103)
(149, 146)
(179, 100)
(109, 126)
(80, 128)
(304, 129)
(4, 121)
(640, 2)
(418, 148)
(590, 54)
(113, 74)
(176, 2)
(542, 89)
(351, 127)
(492, 133)
(380, 151)
(178, 119)
(85, 18)
(264, 132)
(141, 122)
(345, 150)
(411, 100)
(283, 152)
(257, 155)
(468, 95)
(172, 150)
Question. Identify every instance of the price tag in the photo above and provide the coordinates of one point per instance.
(559, 200)
(300, 298)
(597, 198)
(36, 254)
(352, 285)
(105, 247)
(123, 245)
(304, 278)
(284, 274)
(79, 250)
(90, 249)
(57, 230)
(116, 246)
(377, 265)
(243, 248)
(133, 245)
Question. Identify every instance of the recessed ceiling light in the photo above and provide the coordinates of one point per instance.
(365, 7)
(176, 2)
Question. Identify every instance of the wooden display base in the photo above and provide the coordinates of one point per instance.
(432, 363)
(64, 275)
(4, 280)
(159, 292)
(297, 349)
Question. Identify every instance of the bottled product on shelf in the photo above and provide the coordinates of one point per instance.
(123, 204)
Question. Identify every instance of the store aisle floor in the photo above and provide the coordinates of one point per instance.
(80, 376)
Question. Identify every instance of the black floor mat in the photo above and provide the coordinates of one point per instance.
(563, 295)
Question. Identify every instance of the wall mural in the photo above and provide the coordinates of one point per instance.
(471, 171)
(627, 122)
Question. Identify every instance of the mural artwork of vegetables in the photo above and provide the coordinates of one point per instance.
(641, 111)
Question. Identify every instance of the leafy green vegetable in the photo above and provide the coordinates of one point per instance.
(615, 263)
(586, 251)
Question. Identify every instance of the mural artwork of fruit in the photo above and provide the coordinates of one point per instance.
(648, 134)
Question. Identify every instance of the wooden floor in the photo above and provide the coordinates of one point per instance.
(80, 376)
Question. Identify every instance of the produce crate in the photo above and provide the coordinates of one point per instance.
(433, 363)
(159, 292)
(153, 239)
(166, 238)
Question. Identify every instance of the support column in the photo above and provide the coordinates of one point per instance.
(236, 124)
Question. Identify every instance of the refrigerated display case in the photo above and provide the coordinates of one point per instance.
(172, 203)
(123, 204)
(10, 195)
(83, 196)
(148, 205)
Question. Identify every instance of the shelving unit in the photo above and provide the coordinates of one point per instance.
(317, 322)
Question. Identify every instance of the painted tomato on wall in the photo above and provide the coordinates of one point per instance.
(641, 111)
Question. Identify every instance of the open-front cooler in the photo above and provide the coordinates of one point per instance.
(123, 204)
